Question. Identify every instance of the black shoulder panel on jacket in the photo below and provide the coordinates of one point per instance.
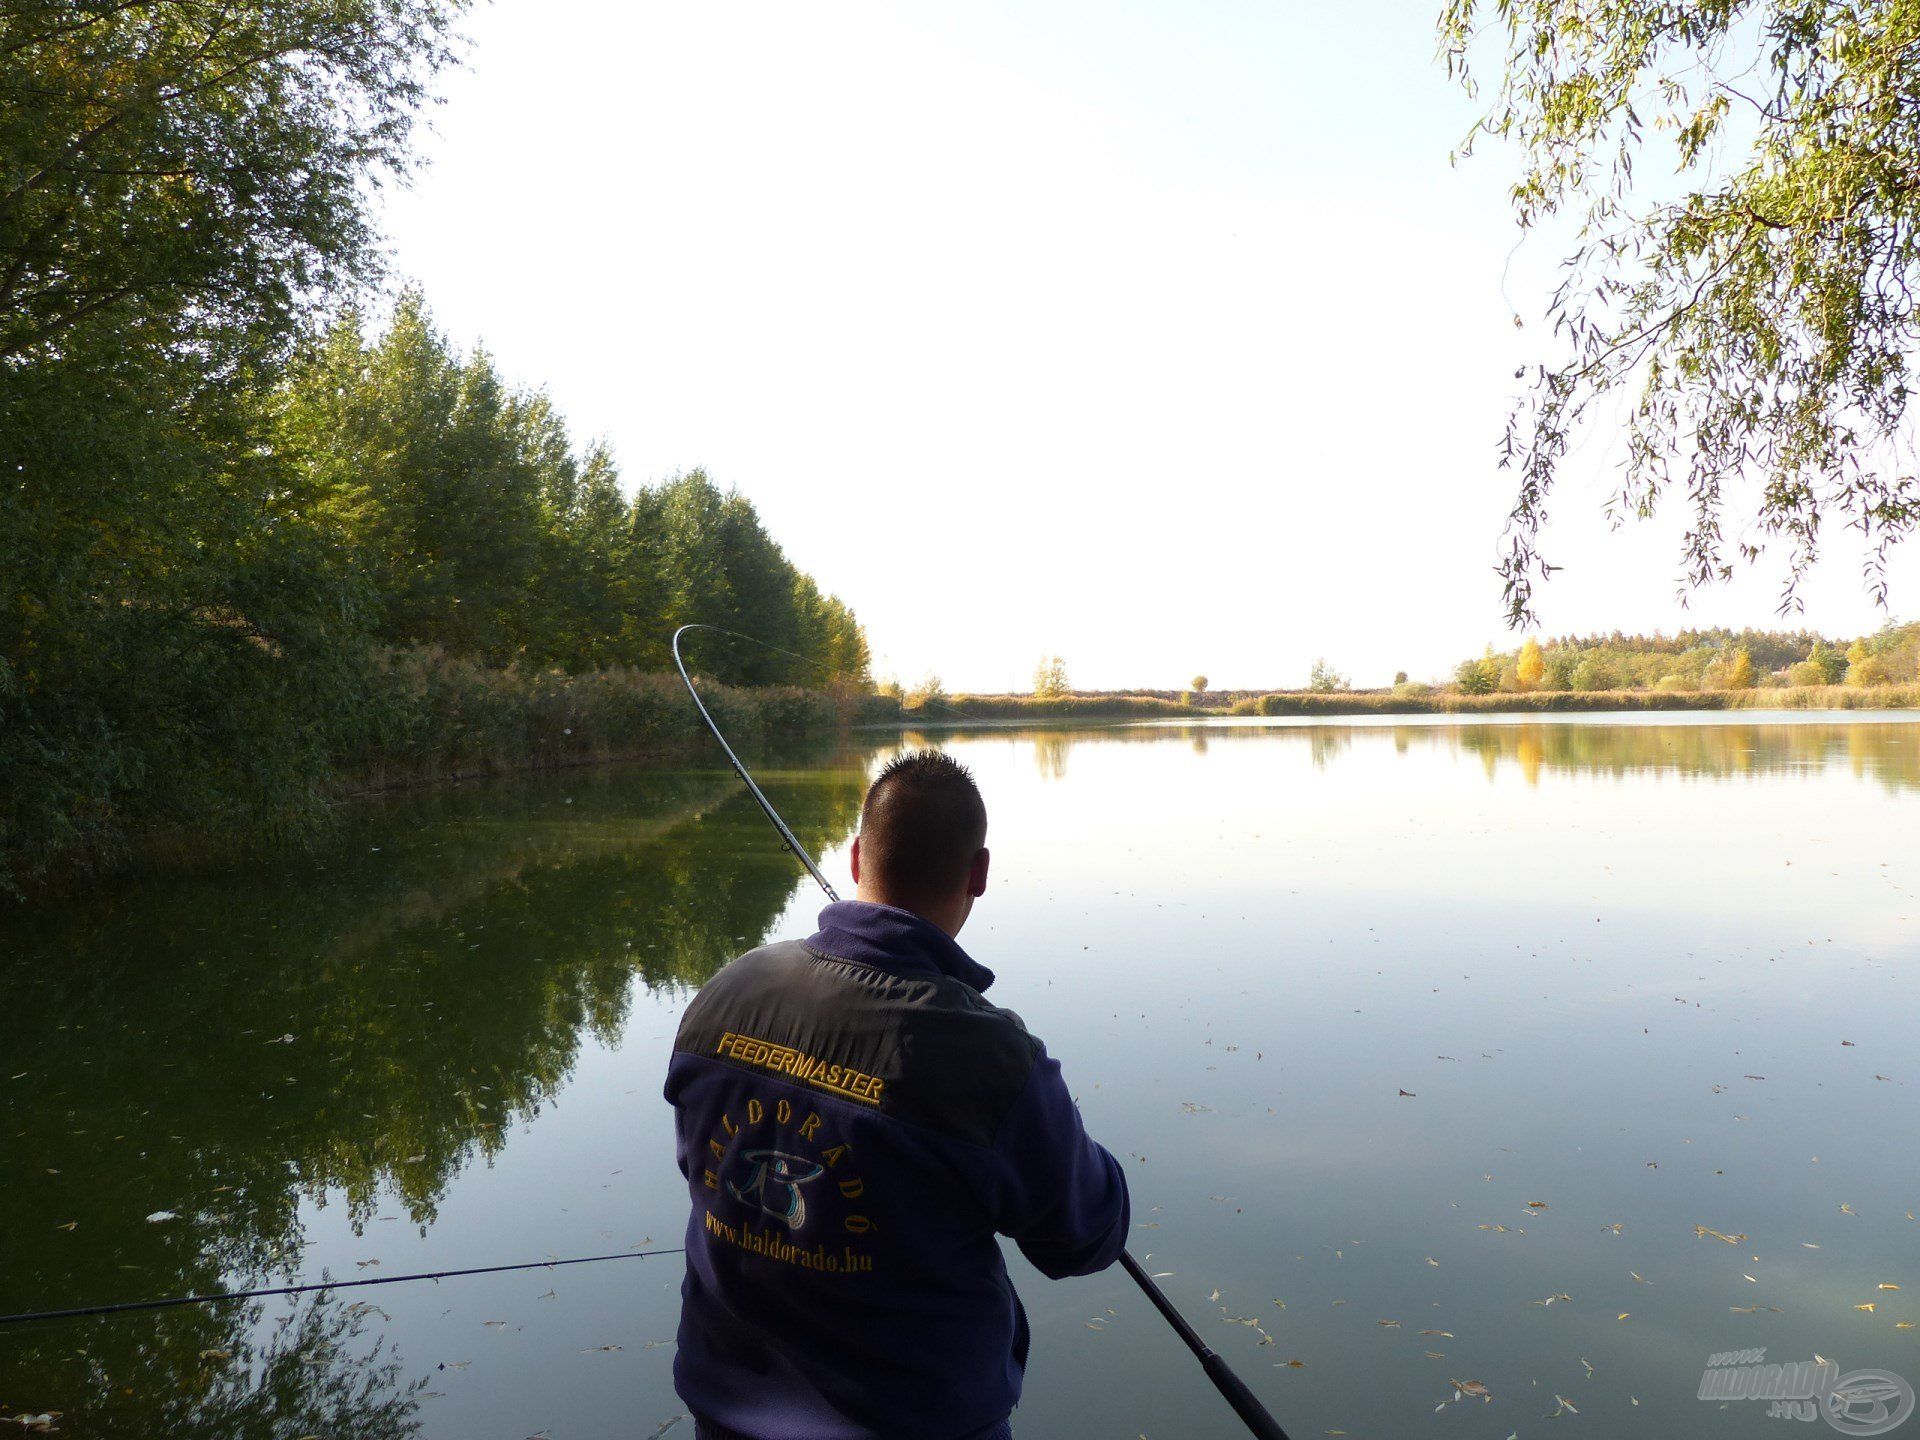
(924, 1049)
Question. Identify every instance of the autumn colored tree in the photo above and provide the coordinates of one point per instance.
(1531, 666)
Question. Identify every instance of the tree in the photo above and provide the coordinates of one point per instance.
(1324, 679)
(1758, 309)
(1050, 678)
(1399, 677)
(1830, 664)
(1733, 670)
(1531, 668)
(1864, 667)
(1198, 684)
(192, 176)
(179, 638)
(1478, 677)
(1592, 673)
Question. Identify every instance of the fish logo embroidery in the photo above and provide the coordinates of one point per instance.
(774, 1184)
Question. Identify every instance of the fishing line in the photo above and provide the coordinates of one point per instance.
(171, 1301)
(1231, 1387)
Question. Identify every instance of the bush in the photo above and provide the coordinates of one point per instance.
(1672, 684)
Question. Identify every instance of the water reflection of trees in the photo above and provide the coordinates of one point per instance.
(1882, 750)
(367, 1023)
(1888, 753)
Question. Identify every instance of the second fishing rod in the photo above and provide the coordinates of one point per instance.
(1232, 1388)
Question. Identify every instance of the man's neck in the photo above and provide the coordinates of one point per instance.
(949, 917)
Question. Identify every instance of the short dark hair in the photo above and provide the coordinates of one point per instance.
(921, 825)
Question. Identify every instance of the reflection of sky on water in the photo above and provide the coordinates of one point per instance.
(1244, 942)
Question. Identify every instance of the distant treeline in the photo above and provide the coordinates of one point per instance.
(231, 517)
(1696, 660)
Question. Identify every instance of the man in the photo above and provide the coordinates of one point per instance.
(856, 1123)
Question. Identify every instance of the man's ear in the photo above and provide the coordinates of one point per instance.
(977, 875)
(855, 860)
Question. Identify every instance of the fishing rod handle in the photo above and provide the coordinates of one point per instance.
(1244, 1402)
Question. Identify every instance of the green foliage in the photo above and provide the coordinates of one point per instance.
(1478, 677)
(1758, 309)
(1325, 680)
(177, 639)
(484, 532)
(1593, 673)
(187, 177)
(1829, 662)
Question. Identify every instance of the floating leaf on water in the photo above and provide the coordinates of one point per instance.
(1408, 1095)
(1388, 1324)
(1435, 1354)
(1749, 1277)
(590, 1350)
(1215, 1295)
(1447, 1333)
(1848, 1210)
(1868, 1307)
(1808, 1245)
(1903, 1324)
(1639, 1277)
(1536, 1205)
(1744, 1309)
(494, 1324)
(216, 1354)
(159, 1215)
(1885, 1286)
(1566, 1405)
(1474, 1388)
(1433, 1262)
(1616, 1227)
(1290, 1364)
(1702, 1231)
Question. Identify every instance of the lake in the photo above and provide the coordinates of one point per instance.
(1436, 1052)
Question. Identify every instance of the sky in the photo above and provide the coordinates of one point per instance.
(1164, 338)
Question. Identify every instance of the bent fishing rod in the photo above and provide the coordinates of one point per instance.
(1231, 1387)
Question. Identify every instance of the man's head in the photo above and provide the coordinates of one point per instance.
(922, 844)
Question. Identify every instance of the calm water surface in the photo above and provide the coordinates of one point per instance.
(1427, 1047)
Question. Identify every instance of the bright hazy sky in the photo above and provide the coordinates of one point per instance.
(1161, 337)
